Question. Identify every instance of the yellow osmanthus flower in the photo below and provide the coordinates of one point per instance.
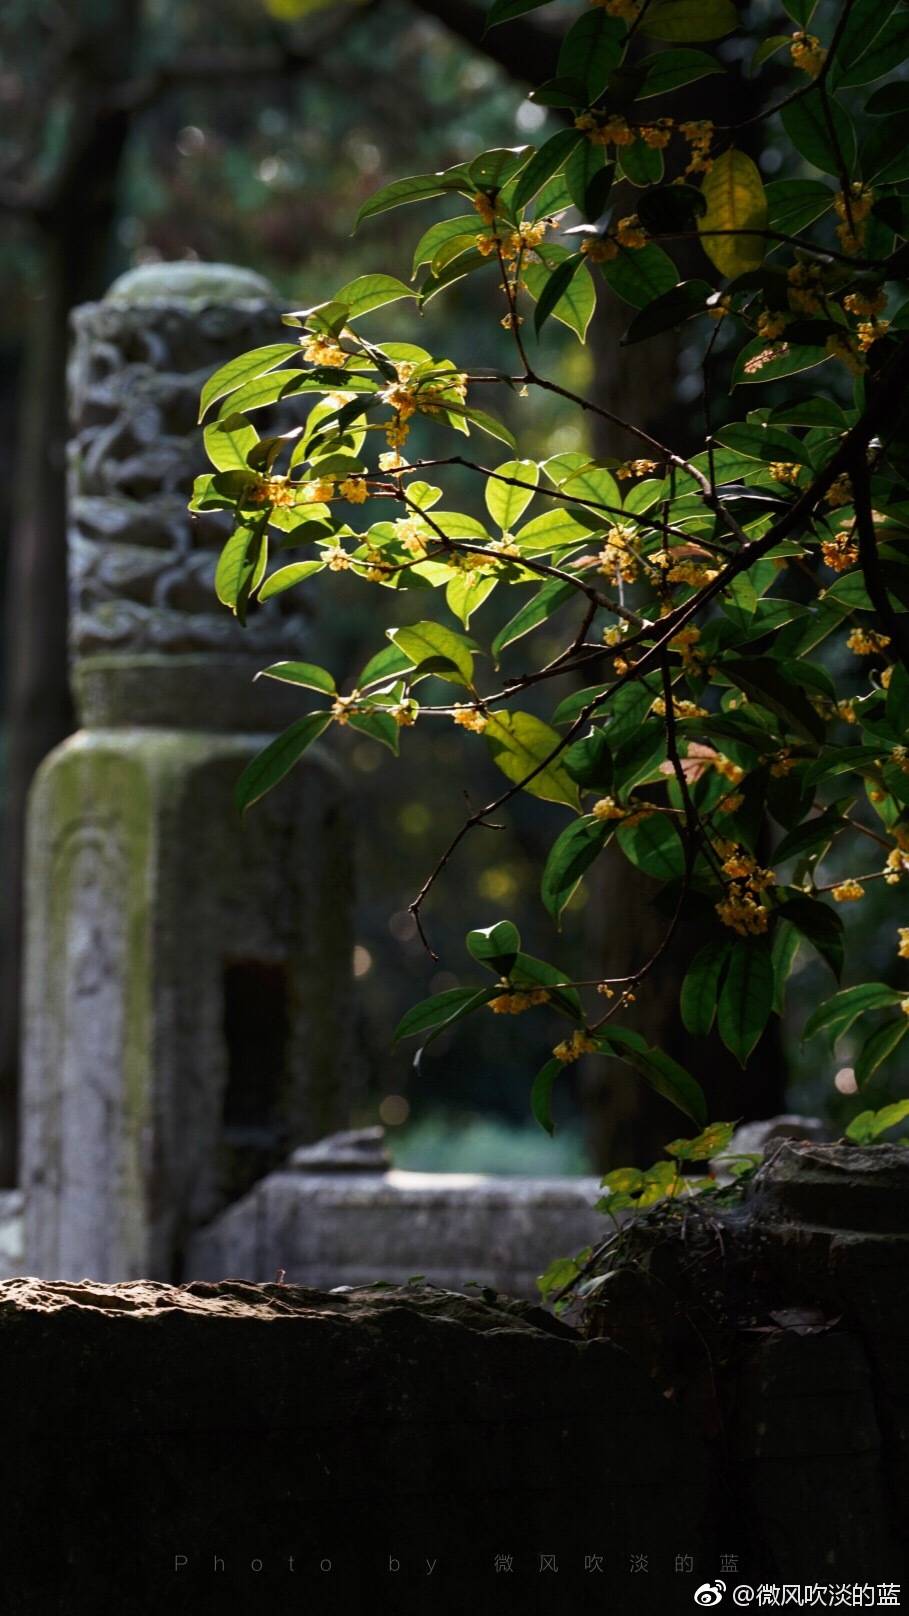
(866, 304)
(840, 492)
(841, 552)
(656, 135)
(771, 325)
(392, 461)
(612, 131)
(599, 249)
(782, 764)
(618, 554)
(337, 558)
(867, 641)
(341, 706)
(699, 135)
(404, 714)
(630, 232)
(903, 934)
(680, 708)
(785, 471)
(853, 213)
(321, 350)
(743, 914)
(900, 756)
(514, 1004)
(846, 711)
(693, 573)
(886, 677)
(805, 288)
(848, 892)
(354, 489)
(807, 52)
(470, 718)
(904, 1006)
(485, 207)
(608, 808)
(729, 770)
(273, 491)
(318, 490)
(869, 331)
(571, 1049)
(842, 348)
(412, 534)
(634, 468)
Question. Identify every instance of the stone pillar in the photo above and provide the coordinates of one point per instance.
(186, 973)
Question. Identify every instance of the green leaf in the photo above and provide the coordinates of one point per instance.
(286, 577)
(820, 925)
(870, 1125)
(505, 503)
(591, 49)
(581, 170)
(641, 164)
(435, 649)
(689, 20)
(417, 188)
(541, 1094)
(734, 192)
(528, 972)
(301, 673)
(762, 681)
(546, 161)
(641, 274)
(538, 609)
(503, 10)
(571, 854)
(836, 1015)
(554, 289)
(438, 235)
(388, 662)
(862, 24)
(240, 566)
(746, 998)
(594, 483)
(653, 845)
(229, 442)
(711, 1142)
(432, 1014)
(806, 123)
(793, 204)
(465, 592)
(700, 989)
(490, 171)
(245, 368)
(371, 292)
(496, 947)
(663, 1074)
(884, 53)
(552, 530)
(521, 744)
(589, 761)
(879, 1047)
(575, 306)
(379, 727)
(666, 70)
(278, 759)
(671, 309)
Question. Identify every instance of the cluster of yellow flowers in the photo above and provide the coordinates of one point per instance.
(729, 770)
(847, 351)
(897, 863)
(783, 764)
(848, 892)
(470, 718)
(685, 643)
(353, 489)
(634, 468)
(377, 570)
(614, 130)
(630, 232)
(771, 326)
(318, 490)
(321, 350)
(608, 808)
(865, 305)
(411, 533)
(693, 573)
(515, 243)
(900, 756)
(571, 1049)
(869, 331)
(785, 471)
(840, 492)
(337, 558)
(341, 707)
(404, 713)
(617, 555)
(656, 135)
(903, 934)
(699, 136)
(853, 211)
(680, 708)
(599, 249)
(805, 288)
(514, 1004)
(840, 552)
(807, 52)
(273, 491)
(867, 641)
(741, 908)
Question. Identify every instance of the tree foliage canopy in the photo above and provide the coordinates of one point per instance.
(690, 716)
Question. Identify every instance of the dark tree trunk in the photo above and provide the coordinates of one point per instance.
(72, 239)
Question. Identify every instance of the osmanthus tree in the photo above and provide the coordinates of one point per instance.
(691, 714)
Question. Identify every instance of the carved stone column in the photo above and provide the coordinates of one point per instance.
(186, 973)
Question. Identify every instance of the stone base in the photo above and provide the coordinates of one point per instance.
(187, 979)
(352, 1228)
(147, 1430)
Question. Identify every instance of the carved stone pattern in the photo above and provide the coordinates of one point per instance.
(141, 566)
